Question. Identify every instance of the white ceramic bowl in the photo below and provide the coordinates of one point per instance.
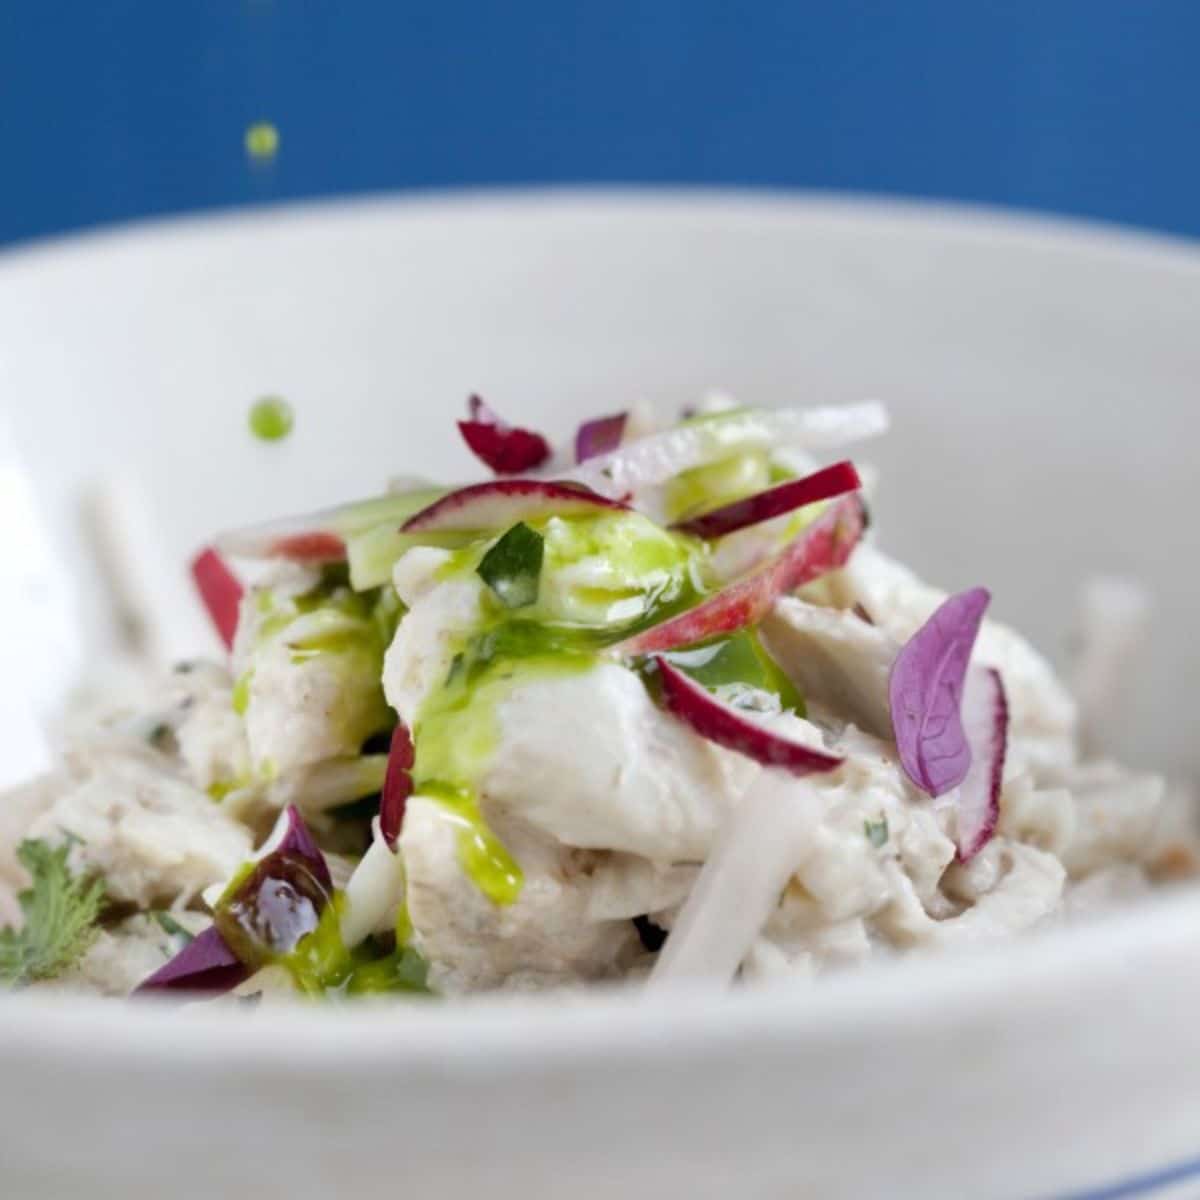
(1042, 380)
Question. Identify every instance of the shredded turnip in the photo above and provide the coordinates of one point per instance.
(759, 847)
(374, 892)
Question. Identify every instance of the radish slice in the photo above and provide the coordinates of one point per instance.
(321, 537)
(653, 460)
(506, 449)
(205, 964)
(501, 503)
(599, 436)
(824, 546)
(730, 727)
(397, 785)
(985, 723)
(821, 485)
(755, 853)
(221, 592)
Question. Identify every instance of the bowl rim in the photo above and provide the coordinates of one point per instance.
(893, 997)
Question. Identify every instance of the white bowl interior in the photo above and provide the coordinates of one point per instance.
(1041, 380)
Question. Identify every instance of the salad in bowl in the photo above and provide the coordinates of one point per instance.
(650, 707)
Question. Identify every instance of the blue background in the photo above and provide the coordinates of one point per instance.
(112, 109)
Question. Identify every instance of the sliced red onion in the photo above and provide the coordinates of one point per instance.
(824, 546)
(774, 502)
(599, 436)
(653, 460)
(221, 592)
(729, 727)
(925, 693)
(501, 503)
(292, 874)
(397, 785)
(205, 964)
(985, 723)
(298, 842)
(506, 449)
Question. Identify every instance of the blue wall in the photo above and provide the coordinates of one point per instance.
(111, 109)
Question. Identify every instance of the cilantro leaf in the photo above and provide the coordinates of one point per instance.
(876, 831)
(512, 567)
(60, 917)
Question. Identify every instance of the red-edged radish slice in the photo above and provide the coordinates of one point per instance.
(324, 536)
(730, 727)
(824, 546)
(397, 785)
(221, 591)
(506, 449)
(205, 964)
(599, 436)
(653, 460)
(501, 503)
(763, 506)
(985, 723)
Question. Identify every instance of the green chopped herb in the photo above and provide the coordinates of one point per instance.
(60, 912)
(240, 697)
(170, 926)
(876, 831)
(271, 419)
(262, 141)
(159, 735)
(737, 669)
(512, 567)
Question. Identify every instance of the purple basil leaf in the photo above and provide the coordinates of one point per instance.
(925, 693)
(599, 436)
(205, 964)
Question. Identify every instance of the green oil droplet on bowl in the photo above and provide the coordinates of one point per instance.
(271, 419)
(262, 141)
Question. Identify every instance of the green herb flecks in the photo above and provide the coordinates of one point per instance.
(169, 925)
(512, 568)
(271, 419)
(876, 831)
(262, 141)
(60, 914)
